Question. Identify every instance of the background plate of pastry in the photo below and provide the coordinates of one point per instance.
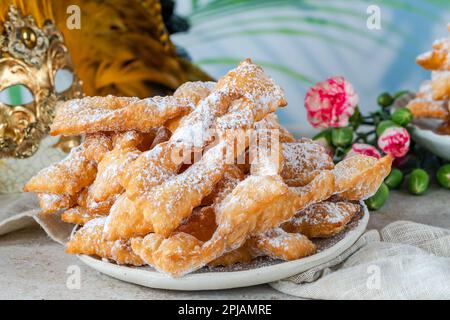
(259, 271)
(430, 134)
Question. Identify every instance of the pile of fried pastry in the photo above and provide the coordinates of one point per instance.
(155, 183)
(433, 98)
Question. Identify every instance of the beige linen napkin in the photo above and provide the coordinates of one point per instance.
(21, 210)
(406, 260)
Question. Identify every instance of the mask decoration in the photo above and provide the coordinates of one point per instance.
(33, 58)
(118, 47)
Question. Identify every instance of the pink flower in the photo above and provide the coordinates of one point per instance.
(365, 149)
(330, 103)
(395, 141)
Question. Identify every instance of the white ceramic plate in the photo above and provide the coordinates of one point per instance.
(423, 134)
(215, 280)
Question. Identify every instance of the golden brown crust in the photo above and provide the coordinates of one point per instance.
(52, 203)
(107, 183)
(94, 114)
(303, 160)
(78, 215)
(231, 177)
(422, 108)
(200, 224)
(73, 173)
(322, 220)
(240, 255)
(359, 177)
(280, 244)
(88, 240)
(440, 84)
(434, 60)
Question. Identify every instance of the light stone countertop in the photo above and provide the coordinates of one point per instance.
(34, 267)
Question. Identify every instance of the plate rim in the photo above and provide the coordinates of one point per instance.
(436, 143)
(227, 279)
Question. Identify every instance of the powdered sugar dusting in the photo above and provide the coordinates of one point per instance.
(325, 212)
(303, 160)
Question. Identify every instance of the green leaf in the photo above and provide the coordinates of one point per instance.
(280, 31)
(309, 20)
(213, 10)
(227, 7)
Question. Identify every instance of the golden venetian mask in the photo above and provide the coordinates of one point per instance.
(32, 59)
(120, 47)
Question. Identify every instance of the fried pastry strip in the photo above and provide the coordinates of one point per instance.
(437, 59)
(243, 254)
(303, 160)
(93, 207)
(202, 222)
(75, 172)
(231, 177)
(276, 243)
(162, 135)
(270, 122)
(78, 215)
(52, 203)
(194, 92)
(359, 177)
(440, 84)
(322, 220)
(88, 240)
(442, 44)
(423, 106)
(165, 207)
(94, 114)
(106, 183)
(279, 244)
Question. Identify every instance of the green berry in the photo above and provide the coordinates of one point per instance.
(394, 179)
(385, 100)
(376, 201)
(443, 176)
(324, 135)
(383, 125)
(418, 182)
(402, 116)
(342, 137)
